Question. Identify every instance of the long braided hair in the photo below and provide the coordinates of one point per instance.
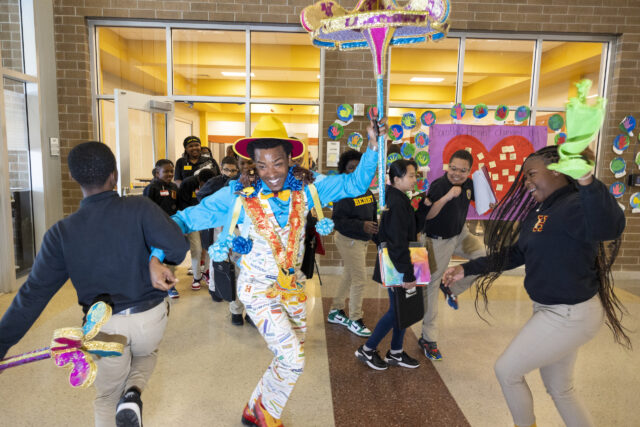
(502, 231)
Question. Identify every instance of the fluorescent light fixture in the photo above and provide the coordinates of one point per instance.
(427, 79)
(236, 74)
(592, 96)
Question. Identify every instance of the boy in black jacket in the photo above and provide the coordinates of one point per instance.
(355, 224)
(104, 248)
(164, 192)
(187, 196)
(446, 209)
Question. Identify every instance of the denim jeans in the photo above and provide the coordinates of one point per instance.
(385, 324)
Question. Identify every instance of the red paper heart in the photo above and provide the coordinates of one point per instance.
(497, 160)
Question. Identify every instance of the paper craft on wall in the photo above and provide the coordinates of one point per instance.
(354, 141)
(458, 111)
(627, 125)
(480, 111)
(421, 140)
(407, 150)
(333, 153)
(428, 118)
(618, 166)
(556, 122)
(617, 189)
(395, 133)
(345, 114)
(621, 143)
(502, 149)
(335, 131)
(409, 120)
(560, 138)
(502, 112)
(522, 113)
(634, 202)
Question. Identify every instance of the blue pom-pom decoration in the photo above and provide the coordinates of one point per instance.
(324, 227)
(219, 251)
(241, 245)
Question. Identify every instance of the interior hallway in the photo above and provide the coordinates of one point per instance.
(207, 368)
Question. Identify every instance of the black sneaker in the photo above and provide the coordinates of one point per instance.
(236, 319)
(129, 409)
(371, 358)
(402, 359)
(430, 349)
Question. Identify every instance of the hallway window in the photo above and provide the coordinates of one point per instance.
(133, 59)
(15, 106)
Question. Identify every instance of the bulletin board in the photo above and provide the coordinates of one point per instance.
(502, 149)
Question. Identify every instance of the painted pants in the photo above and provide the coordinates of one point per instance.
(283, 325)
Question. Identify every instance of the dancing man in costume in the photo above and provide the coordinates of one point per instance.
(271, 208)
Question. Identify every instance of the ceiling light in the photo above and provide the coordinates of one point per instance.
(427, 79)
(236, 74)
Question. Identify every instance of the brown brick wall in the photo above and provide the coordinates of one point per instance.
(10, 35)
(342, 84)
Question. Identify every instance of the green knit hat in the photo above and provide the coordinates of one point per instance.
(583, 123)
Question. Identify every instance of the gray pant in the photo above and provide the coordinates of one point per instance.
(195, 247)
(143, 332)
(464, 245)
(549, 341)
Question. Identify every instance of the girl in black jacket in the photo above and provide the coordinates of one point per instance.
(555, 226)
(397, 229)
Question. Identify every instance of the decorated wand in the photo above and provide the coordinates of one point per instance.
(72, 347)
(376, 24)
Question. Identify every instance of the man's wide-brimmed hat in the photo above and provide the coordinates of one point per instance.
(269, 127)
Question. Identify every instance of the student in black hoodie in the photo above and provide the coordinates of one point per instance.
(397, 229)
(555, 226)
(164, 192)
(355, 224)
(194, 159)
(187, 196)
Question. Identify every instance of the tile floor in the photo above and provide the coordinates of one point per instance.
(207, 368)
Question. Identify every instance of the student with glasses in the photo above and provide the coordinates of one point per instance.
(447, 203)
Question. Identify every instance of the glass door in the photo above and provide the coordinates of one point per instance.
(144, 133)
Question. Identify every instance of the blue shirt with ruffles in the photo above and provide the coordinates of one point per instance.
(216, 210)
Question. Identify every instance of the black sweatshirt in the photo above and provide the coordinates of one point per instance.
(184, 168)
(451, 218)
(187, 192)
(103, 248)
(397, 228)
(558, 244)
(163, 194)
(211, 186)
(350, 214)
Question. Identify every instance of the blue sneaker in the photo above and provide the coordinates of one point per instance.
(452, 300)
(173, 293)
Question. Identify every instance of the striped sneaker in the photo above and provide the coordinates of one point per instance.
(338, 317)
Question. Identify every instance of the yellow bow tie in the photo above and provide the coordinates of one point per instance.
(282, 195)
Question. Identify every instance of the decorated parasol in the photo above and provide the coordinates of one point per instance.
(376, 25)
(72, 347)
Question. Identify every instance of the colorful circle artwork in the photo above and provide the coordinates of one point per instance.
(428, 118)
(396, 132)
(393, 157)
(501, 113)
(522, 113)
(637, 160)
(332, 172)
(617, 189)
(335, 131)
(621, 143)
(372, 112)
(556, 122)
(421, 185)
(618, 166)
(480, 111)
(634, 201)
(422, 158)
(561, 138)
(407, 150)
(355, 141)
(421, 139)
(345, 112)
(458, 111)
(409, 120)
(628, 124)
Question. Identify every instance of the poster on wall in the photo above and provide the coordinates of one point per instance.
(333, 153)
(501, 149)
